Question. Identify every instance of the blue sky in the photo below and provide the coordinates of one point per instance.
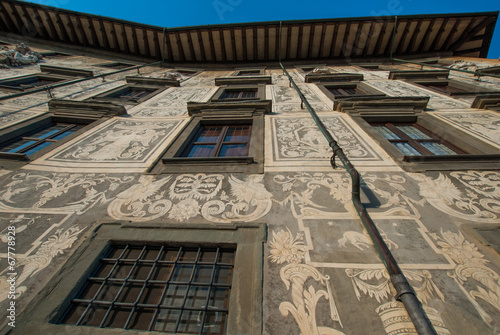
(168, 13)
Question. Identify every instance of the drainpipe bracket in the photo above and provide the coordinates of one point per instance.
(401, 285)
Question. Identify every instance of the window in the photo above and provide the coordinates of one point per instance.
(417, 141)
(32, 81)
(248, 73)
(344, 90)
(64, 71)
(182, 276)
(30, 139)
(157, 288)
(239, 92)
(115, 65)
(129, 94)
(220, 137)
(414, 140)
(437, 81)
(220, 141)
(34, 141)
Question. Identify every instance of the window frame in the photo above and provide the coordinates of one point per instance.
(411, 110)
(85, 113)
(259, 89)
(246, 296)
(248, 112)
(238, 72)
(40, 76)
(108, 95)
(115, 65)
(370, 91)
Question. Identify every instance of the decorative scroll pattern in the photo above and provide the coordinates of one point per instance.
(289, 249)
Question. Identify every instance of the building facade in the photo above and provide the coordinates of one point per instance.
(174, 180)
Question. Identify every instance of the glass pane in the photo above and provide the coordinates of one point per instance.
(209, 134)
(413, 132)
(201, 151)
(386, 132)
(152, 294)
(175, 295)
(166, 320)
(203, 273)
(197, 297)
(237, 134)
(190, 322)
(141, 271)
(44, 133)
(219, 297)
(223, 275)
(407, 149)
(226, 256)
(17, 146)
(66, 133)
(248, 94)
(182, 272)
(109, 291)
(94, 316)
(230, 95)
(207, 255)
(437, 148)
(74, 314)
(38, 148)
(188, 255)
(233, 150)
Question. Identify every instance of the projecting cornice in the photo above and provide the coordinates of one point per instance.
(466, 34)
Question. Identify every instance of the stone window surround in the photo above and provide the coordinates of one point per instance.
(246, 112)
(399, 109)
(89, 114)
(246, 297)
(422, 77)
(261, 92)
(262, 71)
(107, 95)
(65, 71)
(56, 78)
(371, 92)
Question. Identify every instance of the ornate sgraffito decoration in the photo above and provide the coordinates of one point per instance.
(288, 249)
(363, 241)
(471, 271)
(127, 141)
(252, 201)
(172, 102)
(479, 202)
(376, 284)
(141, 202)
(130, 146)
(149, 199)
(483, 124)
(301, 138)
(29, 191)
(33, 264)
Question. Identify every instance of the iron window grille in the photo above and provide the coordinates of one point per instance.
(220, 141)
(157, 288)
(40, 138)
(414, 140)
(248, 72)
(132, 93)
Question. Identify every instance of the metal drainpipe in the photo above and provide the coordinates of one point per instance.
(404, 291)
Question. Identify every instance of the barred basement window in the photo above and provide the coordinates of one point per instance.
(157, 288)
(38, 139)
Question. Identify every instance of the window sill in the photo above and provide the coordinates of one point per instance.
(244, 164)
(452, 158)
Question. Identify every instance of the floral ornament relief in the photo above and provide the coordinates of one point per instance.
(471, 265)
(126, 141)
(55, 245)
(376, 284)
(288, 249)
(141, 202)
(479, 202)
(57, 186)
(250, 195)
